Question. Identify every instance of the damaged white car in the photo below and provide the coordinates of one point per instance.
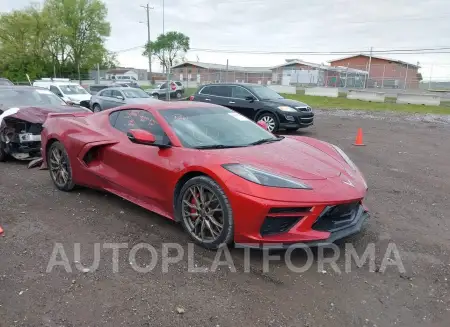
(23, 110)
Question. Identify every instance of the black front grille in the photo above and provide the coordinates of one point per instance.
(337, 217)
(276, 225)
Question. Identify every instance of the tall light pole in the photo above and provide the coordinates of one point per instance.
(167, 64)
(150, 77)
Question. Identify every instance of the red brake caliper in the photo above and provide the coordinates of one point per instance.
(193, 202)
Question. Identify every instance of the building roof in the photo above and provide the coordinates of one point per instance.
(377, 57)
(290, 62)
(224, 67)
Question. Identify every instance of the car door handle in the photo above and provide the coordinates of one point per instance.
(231, 102)
(207, 99)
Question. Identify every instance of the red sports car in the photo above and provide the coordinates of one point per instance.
(219, 174)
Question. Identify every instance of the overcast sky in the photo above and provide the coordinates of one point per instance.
(283, 25)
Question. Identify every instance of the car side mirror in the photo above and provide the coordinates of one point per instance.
(250, 98)
(140, 136)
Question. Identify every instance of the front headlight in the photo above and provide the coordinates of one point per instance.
(345, 157)
(265, 178)
(286, 108)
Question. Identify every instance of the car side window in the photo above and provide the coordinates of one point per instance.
(116, 93)
(163, 86)
(139, 119)
(106, 93)
(240, 93)
(222, 90)
(55, 90)
(206, 90)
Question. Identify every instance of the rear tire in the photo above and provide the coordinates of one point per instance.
(205, 213)
(59, 167)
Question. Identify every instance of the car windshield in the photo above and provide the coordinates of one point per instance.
(135, 93)
(215, 128)
(4, 81)
(13, 97)
(72, 89)
(266, 93)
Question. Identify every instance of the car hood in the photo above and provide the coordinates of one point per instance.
(285, 102)
(289, 157)
(79, 97)
(35, 114)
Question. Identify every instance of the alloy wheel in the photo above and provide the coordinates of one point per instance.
(59, 167)
(270, 122)
(202, 213)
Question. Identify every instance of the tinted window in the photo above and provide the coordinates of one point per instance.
(179, 83)
(213, 126)
(265, 93)
(139, 119)
(222, 90)
(164, 85)
(240, 93)
(106, 93)
(206, 90)
(113, 117)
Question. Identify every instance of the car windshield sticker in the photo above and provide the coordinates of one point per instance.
(44, 92)
(237, 116)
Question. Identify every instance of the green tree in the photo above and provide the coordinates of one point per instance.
(168, 48)
(79, 31)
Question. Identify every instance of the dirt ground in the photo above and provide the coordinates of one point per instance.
(406, 162)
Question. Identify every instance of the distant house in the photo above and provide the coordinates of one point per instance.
(299, 72)
(138, 74)
(383, 72)
(202, 72)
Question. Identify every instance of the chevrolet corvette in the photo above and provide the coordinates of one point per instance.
(222, 176)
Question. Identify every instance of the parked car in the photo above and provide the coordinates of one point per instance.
(68, 91)
(119, 96)
(5, 81)
(23, 110)
(160, 91)
(258, 102)
(212, 170)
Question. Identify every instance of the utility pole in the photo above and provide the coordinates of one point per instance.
(226, 76)
(167, 65)
(370, 64)
(150, 77)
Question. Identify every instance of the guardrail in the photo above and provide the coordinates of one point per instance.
(283, 89)
(369, 96)
(424, 99)
(331, 92)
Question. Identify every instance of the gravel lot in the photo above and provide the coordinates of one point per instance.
(407, 165)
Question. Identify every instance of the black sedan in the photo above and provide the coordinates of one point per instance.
(259, 103)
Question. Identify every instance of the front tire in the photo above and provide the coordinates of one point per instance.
(178, 95)
(96, 108)
(270, 120)
(3, 154)
(59, 167)
(205, 212)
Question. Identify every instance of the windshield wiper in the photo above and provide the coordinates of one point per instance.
(268, 140)
(218, 146)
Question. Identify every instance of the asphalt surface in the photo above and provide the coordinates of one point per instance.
(406, 164)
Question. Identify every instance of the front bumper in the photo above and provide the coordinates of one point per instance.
(261, 223)
(296, 120)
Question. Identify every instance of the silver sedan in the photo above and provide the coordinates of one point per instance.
(119, 96)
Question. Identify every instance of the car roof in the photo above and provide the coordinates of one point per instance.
(232, 84)
(21, 87)
(163, 105)
(121, 88)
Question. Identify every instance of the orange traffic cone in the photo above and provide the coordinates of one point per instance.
(359, 138)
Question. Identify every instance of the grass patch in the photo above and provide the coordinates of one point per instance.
(390, 105)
